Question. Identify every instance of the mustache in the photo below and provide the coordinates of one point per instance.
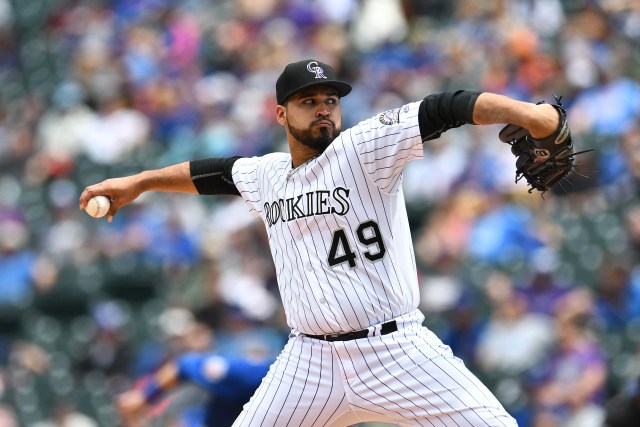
(315, 122)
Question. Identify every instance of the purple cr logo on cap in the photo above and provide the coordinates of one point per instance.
(313, 67)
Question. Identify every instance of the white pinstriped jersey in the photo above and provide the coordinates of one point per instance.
(337, 225)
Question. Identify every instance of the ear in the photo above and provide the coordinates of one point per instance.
(281, 114)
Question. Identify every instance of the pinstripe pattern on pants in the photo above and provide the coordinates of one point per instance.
(408, 377)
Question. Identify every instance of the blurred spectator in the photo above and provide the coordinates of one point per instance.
(244, 335)
(569, 387)
(62, 129)
(109, 350)
(171, 245)
(611, 106)
(618, 302)
(383, 15)
(503, 233)
(546, 17)
(463, 328)
(513, 339)
(443, 164)
(228, 377)
(30, 356)
(23, 270)
(445, 236)
(116, 132)
(541, 289)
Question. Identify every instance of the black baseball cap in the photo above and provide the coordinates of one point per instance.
(307, 73)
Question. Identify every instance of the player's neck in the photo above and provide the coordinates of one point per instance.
(300, 154)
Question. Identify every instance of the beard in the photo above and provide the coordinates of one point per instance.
(318, 143)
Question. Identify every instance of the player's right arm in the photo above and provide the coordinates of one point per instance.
(133, 404)
(206, 176)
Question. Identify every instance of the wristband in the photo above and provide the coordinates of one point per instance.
(151, 391)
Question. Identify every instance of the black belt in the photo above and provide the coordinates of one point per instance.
(386, 328)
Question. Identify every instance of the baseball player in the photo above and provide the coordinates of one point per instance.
(231, 382)
(338, 231)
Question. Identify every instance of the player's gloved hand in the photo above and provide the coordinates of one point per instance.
(543, 162)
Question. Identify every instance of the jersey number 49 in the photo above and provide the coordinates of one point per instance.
(368, 234)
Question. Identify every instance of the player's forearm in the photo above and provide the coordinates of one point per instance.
(160, 382)
(122, 191)
(167, 376)
(540, 120)
(175, 178)
(134, 401)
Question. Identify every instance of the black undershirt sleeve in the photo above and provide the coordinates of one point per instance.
(213, 175)
(443, 111)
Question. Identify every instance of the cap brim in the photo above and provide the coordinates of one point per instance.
(343, 88)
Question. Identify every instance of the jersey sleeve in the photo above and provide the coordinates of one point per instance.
(251, 176)
(221, 375)
(245, 174)
(206, 370)
(387, 142)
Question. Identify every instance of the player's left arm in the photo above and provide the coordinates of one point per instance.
(443, 111)
(541, 120)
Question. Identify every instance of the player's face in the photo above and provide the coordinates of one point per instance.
(313, 116)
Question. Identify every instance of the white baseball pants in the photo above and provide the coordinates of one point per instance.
(408, 377)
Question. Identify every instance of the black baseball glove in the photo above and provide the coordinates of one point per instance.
(542, 162)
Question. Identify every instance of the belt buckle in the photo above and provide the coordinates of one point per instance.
(327, 336)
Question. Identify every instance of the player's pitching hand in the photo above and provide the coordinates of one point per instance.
(121, 191)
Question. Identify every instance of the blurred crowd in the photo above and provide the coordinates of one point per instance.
(540, 296)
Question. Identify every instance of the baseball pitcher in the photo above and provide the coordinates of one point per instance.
(335, 215)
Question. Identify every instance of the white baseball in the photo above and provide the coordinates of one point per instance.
(98, 206)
